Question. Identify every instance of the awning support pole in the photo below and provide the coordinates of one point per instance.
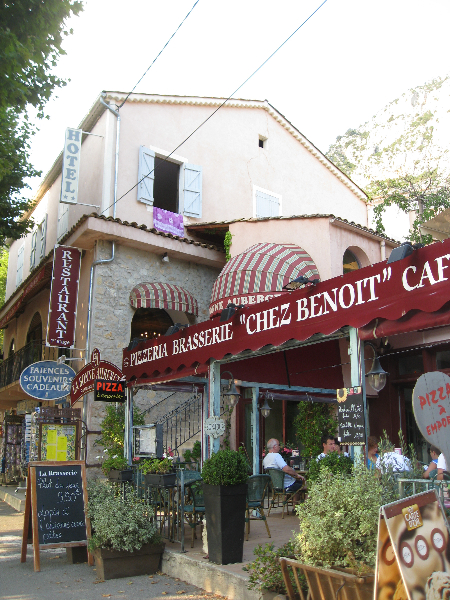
(255, 428)
(214, 397)
(128, 441)
(358, 377)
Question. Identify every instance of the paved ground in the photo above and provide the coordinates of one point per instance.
(59, 579)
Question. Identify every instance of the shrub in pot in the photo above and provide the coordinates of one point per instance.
(225, 493)
(116, 468)
(124, 540)
(158, 471)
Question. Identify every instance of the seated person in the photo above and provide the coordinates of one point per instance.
(441, 466)
(372, 451)
(293, 481)
(393, 461)
(434, 453)
(337, 443)
(329, 445)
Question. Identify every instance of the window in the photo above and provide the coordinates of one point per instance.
(38, 243)
(63, 220)
(19, 272)
(262, 141)
(149, 323)
(443, 359)
(265, 203)
(350, 262)
(171, 184)
(33, 249)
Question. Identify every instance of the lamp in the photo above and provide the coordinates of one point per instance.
(231, 392)
(165, 258)
(175, 328)
(229, 311)
(265, 408)
(298, 282)
(377, 375)
(404, 250)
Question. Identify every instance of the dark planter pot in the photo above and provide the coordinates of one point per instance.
(115, 475)
(225, 522)
(112, 564)
(161, 479)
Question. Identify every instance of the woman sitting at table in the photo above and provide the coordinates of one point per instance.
(372, 452)
(434, 453)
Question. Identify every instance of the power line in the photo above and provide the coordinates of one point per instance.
(159, 54)
(220, 106)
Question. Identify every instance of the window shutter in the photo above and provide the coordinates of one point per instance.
(19, 274)
(33, 249)
(43, 235)
(146, 175)
(63, 220)
(192, 190)
(266, 205)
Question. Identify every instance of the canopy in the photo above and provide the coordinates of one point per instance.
(419, 282)
(163, 295)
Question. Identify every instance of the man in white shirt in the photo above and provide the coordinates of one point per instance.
(293, 481)
(328, 444)
(441, 466)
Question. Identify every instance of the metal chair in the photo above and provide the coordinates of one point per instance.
(278, 491)
(257, 488)
(195, 508)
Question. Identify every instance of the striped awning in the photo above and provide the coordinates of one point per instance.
(263, 268)
(163, 295)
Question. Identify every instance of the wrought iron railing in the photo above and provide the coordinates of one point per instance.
(182, 423)
(12, 367)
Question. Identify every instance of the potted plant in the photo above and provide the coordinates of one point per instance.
(124, 540)
(225, 493)
(337, 541)
(158, 471)
(116, 468)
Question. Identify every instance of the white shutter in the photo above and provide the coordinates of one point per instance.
(63, 220)
(42, 237)
(146, 175)
(19, 273)
(192, 190)
(266, 205)
(33, 249)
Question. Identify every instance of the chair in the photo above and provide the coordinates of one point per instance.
(278, 491)
(195, 509)
(257, 488)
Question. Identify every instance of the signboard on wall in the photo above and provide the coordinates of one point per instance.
(351, 416)
(47, 380)
(84, 380)
(71, 166)
(109, 391)
(64, 297)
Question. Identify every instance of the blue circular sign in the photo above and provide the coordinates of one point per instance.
(47, 380)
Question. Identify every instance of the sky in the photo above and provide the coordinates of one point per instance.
(346, 63)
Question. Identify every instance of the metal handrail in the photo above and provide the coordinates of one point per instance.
(12, 367)
(182, 423)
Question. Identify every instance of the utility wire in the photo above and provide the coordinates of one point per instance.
(159, 54)
(220, 106)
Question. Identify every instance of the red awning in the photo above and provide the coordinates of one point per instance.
(163, 295)
(419, 282)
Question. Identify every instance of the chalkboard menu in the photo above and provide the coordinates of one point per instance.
(351, 416)
(56, 499)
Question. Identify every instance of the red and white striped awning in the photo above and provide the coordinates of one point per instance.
(258, 272)
(163, 295)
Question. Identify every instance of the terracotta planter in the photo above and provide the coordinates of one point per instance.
(116, 475)
(161, 479)
(112, 564)
(325, 583)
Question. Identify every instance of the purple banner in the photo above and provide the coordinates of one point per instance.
(169, 222)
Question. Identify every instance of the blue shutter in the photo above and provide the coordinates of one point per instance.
(266, 205)
(19, 272)
(33, 249)
(192, 191)
(146, 175)
(43, 236)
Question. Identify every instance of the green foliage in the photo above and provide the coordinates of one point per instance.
(195, 454)
(116, 462)
(339, 519)
(334, 462)
(156, 465)
(428, 193)
(31, 34)
(312, 421)
(226, 467)
(265, 572)
(227, 245)
(113, 427)
(120, 520)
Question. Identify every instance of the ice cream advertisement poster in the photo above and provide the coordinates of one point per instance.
(413, 555)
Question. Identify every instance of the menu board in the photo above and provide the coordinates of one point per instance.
(58, 441)
(56, 499)
(351, 416)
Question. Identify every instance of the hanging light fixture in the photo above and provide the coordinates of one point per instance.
(377, 376)
(230, 393)
(265, 408)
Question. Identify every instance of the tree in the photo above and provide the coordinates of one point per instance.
(427, 193)
(3, 273)
(31, 34)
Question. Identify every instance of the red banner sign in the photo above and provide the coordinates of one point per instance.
(421, 281)
(63, 297)
(84, 380)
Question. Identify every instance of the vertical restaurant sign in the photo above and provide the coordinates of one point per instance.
(71, 166)
(63, 297)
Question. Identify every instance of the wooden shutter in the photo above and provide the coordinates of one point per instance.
(193, 190)
(42, 237)
(33, 249)
(19, 274)
(266, 205)
(63, 220)
(146, 175)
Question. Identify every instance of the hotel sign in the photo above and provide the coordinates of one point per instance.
(71, 166)
(64, 297)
